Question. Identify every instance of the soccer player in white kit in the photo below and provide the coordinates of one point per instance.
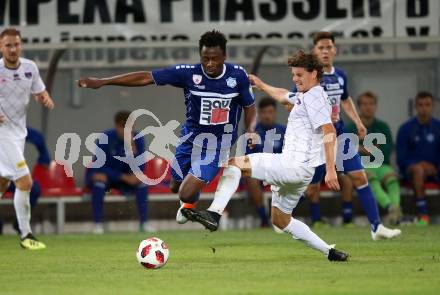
(310, 141)
(19, 77)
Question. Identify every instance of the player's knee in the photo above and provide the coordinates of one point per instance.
(416, 170)
(174, 186)
(312, 192)
(359, 178)
(280, 219)
(24, 183)
(99, 177)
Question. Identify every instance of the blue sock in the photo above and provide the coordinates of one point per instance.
(422, 206)
(98, 192)
(315, 211)
(34, 194)
(261, 211)
(142, 202)
(347, 212)
(369, 204)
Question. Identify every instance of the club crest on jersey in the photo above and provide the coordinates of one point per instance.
(197, 79)
(28, 75)
(214, 111)
(231, 82)
(341, 81)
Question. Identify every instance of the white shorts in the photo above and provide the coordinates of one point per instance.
(288, 180)
(12, 163)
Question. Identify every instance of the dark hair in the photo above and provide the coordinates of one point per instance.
(308, 61)
(323, 35)
(367, 94)
(424, 94)
(267, 102)
(213, 39)
(10, 32)
(121, 117)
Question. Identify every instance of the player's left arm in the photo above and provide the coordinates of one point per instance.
(331, 178)
(45, 99)
(350, 110)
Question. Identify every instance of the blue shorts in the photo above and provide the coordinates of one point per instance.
(204, 164)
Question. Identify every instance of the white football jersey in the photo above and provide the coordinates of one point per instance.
(16, 85)
(303, 140)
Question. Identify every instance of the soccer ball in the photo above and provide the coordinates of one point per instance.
(152, 253)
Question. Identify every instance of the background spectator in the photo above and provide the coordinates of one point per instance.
(117, 174)
(418, 146)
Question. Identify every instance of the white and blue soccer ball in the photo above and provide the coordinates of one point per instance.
(152, 253)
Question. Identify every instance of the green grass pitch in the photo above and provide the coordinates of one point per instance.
(236, 262)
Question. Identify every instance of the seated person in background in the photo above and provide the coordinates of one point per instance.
(273, 133)
(418, 146)
(117, 174)
(35, 138)
(383, 180)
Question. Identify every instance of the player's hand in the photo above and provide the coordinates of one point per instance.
(256, 82)
(331, 180)
(45, 100)
(252, 140)
(2, 119)
(90, 82)
(362, 131)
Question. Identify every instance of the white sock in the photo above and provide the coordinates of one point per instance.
(23, 211)
(300, 231)
(226, 187)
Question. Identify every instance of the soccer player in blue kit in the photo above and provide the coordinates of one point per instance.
(334, 82)
(215, 94)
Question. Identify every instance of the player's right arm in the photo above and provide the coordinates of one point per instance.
(279, 94)
(134, 79)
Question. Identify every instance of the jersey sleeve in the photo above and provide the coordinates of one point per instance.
(174, 76)
(290, 96)
(247, 98)
(318, 110)
(37, 83)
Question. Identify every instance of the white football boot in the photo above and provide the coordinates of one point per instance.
(383, 232)
(179, 216)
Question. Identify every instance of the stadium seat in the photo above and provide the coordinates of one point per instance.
(154, 169)
(54, 181)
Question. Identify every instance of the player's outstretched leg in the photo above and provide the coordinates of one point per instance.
(300, 231)
(227, 186)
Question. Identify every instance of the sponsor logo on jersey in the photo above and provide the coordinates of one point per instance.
(231, 82)
(214, 111)
(197, 79)
(21, 165)
(16, 77)
(28, 75)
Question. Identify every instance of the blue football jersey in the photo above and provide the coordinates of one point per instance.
(275, 146)
(213, 105)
